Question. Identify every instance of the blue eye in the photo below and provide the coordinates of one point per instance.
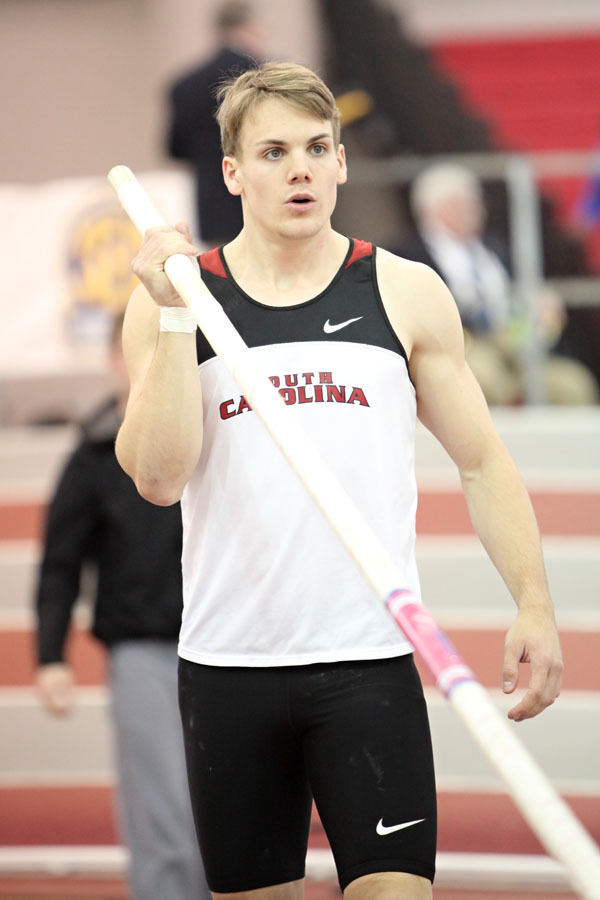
(274, 153)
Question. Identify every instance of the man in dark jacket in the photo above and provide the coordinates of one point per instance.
(193, 134)
(97, 517)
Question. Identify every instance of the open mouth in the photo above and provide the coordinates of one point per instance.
(301, 199)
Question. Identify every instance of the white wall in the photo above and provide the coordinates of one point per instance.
(82, 81)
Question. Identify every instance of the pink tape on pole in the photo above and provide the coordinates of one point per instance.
(429, 641)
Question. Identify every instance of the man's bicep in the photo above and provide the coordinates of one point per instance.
(450, 402)
(451, 405)
(424, 316)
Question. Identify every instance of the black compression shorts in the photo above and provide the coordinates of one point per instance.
(261, 742)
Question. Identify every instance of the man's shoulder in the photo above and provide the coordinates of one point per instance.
(416, 299)
(399, 265)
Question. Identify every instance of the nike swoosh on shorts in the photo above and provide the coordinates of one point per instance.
(383, 829)
(328, 328)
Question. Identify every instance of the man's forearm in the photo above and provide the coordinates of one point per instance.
(160, 440)
(505, 522)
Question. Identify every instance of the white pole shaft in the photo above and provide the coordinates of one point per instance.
(549, 816)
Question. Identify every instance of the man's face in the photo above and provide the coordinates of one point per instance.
(287, 171)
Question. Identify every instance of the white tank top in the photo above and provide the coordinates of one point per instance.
(266, 581)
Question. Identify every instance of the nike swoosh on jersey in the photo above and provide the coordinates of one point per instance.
(383, 829)
(328, 328)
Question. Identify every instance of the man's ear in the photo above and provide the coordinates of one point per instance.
(342, 176)
(230, 175)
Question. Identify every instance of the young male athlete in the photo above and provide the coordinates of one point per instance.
(293, 683)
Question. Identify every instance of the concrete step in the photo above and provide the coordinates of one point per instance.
(545, 442)
(41, 749)
(18, 572)
(571, 763)
(31, 458)
(38, 747)
(459, 583)
(541, 440)
(86, 871)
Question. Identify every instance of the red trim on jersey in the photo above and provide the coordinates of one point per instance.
(360, 249)
(212, 262)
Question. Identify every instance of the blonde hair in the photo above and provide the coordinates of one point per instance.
(293, 83)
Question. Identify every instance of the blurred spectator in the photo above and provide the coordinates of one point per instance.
(193, 134)
(449, 212)
(589, 205)
(97, 517)
(587, 211)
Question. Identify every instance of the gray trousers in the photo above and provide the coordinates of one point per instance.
(153, 797)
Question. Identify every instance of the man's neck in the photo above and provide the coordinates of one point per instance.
(283, 272)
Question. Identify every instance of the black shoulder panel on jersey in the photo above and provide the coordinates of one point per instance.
(348, 310)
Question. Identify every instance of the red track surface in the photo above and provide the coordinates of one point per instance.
(79, 816)
(439, 512)
(481, 647)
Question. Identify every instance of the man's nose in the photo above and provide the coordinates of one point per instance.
(299, 169)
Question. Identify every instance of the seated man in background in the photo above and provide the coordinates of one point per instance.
(96, 516)
(449, 212)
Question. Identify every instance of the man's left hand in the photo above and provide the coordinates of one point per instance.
(533, 639)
